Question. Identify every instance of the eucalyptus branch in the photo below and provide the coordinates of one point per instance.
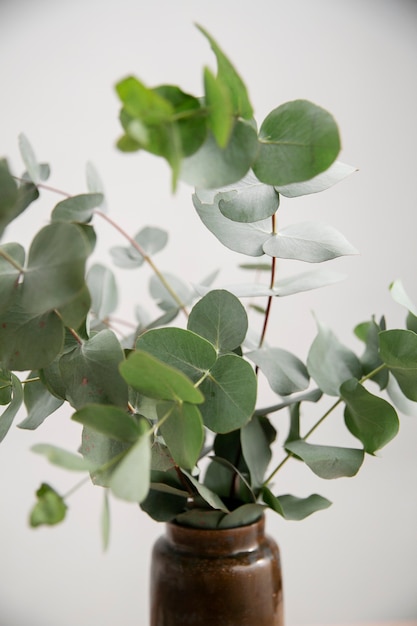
(11, 260)
(270, 298)
(46, 187)
(330, 410)
(146, 258)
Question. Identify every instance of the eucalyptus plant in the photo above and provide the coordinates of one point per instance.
(170, 415)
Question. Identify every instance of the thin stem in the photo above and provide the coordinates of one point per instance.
(146, 258)
(11, 260)
(271, 284)
(46, 187)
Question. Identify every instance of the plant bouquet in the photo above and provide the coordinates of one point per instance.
(170, 415)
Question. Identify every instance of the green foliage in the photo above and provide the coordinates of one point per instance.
(171, 415)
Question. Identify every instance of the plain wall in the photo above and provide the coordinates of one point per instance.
(356, 561)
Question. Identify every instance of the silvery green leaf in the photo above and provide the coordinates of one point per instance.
(94, 183)
(313, 242)
(336, 172)
(161, 294)
(29, 159)
(150, 240)
(131, 479)
(400, 295)
(331, 363)
(403, 404)
(307, 281)
(247, 200)
(63, 458)
(240, 237)
(103, 289)
(285, 373)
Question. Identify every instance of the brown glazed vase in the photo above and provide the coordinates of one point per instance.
(229, 577)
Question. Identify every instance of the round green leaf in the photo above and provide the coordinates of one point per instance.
(77, 208)
(328, 461)
(398, 350)
(182, 431)
(297, 141)
(109, 420)
(50, 508)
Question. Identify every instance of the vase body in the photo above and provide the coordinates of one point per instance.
(229, 577)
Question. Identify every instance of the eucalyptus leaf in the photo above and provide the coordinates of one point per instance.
(104, 454)
(95, 183)
(50, 508)
(242, 516)
(39, 402)
(8, 415)
(297, 141)
(130, 480)
(14, 199)
(328, 461)
(102, 285)
(183, 432)
(183, 349)
(5, 386)
(369, 418)
(109, 420)
(150, 241)
(77, 208)
(313, 242)
(221, 318)
(163, 507)
(230, 394)
(212, 166)
(12, 258)
(337, 172)
(294, 508)
(105, 520)
(29, 159)
(164, 298)
(256, 450)
(398, 350)
(220, 118)
(400, 401)
(90, 372)
(285, 372)
(400, 295)
(208, 496)
(330, 363)
(155, 379)
(62, 458)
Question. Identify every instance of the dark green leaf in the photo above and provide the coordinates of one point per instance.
(230, 394)
(163, 507)
(13, 199)
(368, 332)
(398, 350)
(50, 508)
(327, 461)
(297, 141)
(256, 450)
(208, 496)
(221, 318)
(12, 258)
(369, 418)
(242, 516)
(90, 372)
(293, 508)
(5, 386)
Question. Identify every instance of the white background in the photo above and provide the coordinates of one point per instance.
(356, 561)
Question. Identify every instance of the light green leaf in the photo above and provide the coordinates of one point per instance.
(400, 295)
(230, 394)
(182, 349)
(403, 404)
(398, 350)
(104, 454)
(105, 521)
(294, 508)
(369, 418)
(221, 318)
(62, 458)
(77, 208)
(155, 379)
(327, 461)
(102, 285)
(220, 117)
(212, 166)
(39, 402)
(182, 431)
(150, 239)
(248, 201)
(50, 508)
(164, 298)
(285, 373)
(131, 478)
(313, 242)
(7, 417)
(297, 141)
(335, 173)
(90, 372)
(94, 183)
(330, 363)
(227, 74)
(109, 420)
(306, 281)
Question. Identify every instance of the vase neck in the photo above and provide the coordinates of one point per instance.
(217, 541)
